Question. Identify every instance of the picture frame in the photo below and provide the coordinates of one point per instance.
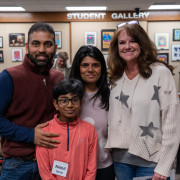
(1, 56)
(175, 52)
(1, 42)
(163, 57)
(106, 58)
(17, 55)
(106, 37)
(176, 34)
(90, 38)
(58, 39)
(162, 41)
(16, 40)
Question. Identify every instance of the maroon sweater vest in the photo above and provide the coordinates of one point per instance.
(32, 102)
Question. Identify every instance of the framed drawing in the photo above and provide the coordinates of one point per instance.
(16, 55)
(176, 34)
(163, 57)
(1, 42)
(90, 38)
(175, 52)
(1, 57)
(162, 40)
(16, 39)
(106, 37)
(58, 39)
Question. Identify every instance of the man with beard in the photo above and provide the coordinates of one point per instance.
(26, 100)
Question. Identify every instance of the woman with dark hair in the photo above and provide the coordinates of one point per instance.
(90, 68)
(144, 107)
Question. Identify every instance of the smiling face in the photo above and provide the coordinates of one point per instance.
(41, 48)
(90, 70)
(69, 106)
(129, 50)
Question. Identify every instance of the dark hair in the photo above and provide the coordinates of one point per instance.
(66, 86)
(103, 89)
(147, 56)
(40, 26)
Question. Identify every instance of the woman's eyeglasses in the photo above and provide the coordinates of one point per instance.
(129, 22)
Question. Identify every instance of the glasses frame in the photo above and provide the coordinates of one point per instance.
(128, 22)
(60, 100)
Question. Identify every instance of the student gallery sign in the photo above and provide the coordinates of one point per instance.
(102, 16)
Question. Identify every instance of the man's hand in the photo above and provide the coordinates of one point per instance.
(44, 139)
(158, 177)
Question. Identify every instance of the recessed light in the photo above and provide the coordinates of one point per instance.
(11, 8)
(164, 7)
(86, 8)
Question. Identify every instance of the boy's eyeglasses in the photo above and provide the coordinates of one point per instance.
(65, 101)
(129, 22)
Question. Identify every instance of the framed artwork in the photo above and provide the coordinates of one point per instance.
(106, 58)
(1, 57)
(175, 52)
(176, 34)
(163, 57)
(1, 42)
(162, 40)
(16, 40)
(58, 39)
(90, 38)
(16, 55)
(106, 37)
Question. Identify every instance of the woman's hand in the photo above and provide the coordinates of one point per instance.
(158, 177)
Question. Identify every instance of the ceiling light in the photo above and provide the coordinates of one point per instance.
(12, 8)
(90, 8)
(164, 7)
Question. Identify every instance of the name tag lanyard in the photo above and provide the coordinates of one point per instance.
(54, 149)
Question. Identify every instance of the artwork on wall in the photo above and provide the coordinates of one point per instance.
(175, 52)
(176, 34)
(106, 37)
(16, 55)
(1, 57)
(16, 39)
(106, 58)
(1, 42)
(162, 40)
(163, 57)
(58, 39)
(90, 38)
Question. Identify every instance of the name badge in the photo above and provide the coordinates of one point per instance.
(60, 168)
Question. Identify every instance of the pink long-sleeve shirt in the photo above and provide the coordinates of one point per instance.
(80, 151)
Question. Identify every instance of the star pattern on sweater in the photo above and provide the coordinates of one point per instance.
(123, 98)
(156, 95)
(148, 130)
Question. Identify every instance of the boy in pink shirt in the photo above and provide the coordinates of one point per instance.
(75, 158)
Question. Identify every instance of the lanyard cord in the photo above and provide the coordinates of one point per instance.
(54, 149)
(130, 108)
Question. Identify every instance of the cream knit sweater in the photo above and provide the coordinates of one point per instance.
(146, 121)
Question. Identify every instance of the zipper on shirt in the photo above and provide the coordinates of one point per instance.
(44, 81)
(67, 136)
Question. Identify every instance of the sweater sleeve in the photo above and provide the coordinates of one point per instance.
(92, 159)
(8, 129)
(170, 117)
(44, 163)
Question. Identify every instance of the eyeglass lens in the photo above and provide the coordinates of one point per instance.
(74, 100)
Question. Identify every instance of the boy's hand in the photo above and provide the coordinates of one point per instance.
(44, 139)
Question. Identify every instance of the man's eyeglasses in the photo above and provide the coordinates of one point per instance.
(129, 22)
(65, 101)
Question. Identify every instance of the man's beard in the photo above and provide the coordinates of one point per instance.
(41, 63)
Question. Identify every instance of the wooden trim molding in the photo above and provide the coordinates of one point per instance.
(90, 16)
